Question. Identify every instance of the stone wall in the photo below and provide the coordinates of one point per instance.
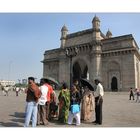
(122, 67)
(78, 40)
(128, 71)
(137, 71)
(51, 69)
(64, 70)
(116, 44)
(110, 67)
(52, 54)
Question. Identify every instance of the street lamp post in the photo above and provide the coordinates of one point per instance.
(70, 54)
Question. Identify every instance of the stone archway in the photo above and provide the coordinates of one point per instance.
(85, 72)
(80, 70)
(114, 76)
(76, 71)
(114, 84)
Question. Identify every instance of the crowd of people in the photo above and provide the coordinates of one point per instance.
(75, 105)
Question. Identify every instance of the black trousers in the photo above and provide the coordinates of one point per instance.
(131, 95)
(98, 109)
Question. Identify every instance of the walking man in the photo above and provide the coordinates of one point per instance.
(33, 94)
(98, 102)
(131, 94)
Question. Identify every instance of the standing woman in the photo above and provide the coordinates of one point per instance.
(75, 100)
(64, 103)
(87, 105)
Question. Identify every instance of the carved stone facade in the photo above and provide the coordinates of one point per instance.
(114, 60)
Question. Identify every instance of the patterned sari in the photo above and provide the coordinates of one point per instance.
(64, 103)
(87, 106)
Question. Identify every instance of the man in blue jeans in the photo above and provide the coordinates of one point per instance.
(33, 94)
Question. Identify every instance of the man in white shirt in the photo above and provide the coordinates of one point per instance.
(98, 102)
(42, 104)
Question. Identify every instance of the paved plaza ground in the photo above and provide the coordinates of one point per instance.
(118, 111)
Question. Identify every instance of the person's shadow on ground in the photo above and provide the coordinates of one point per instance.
(10, 124)
(18, 118)
(16, 121)
(18, 115)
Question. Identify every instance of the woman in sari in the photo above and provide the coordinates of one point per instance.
(64, 103)
(87, 105)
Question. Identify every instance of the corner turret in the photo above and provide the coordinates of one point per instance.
(108, 34)
(96, 23)
(64, 32)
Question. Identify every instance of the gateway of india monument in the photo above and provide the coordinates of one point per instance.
(114, 60)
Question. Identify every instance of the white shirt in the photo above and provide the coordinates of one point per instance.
(43, 99)
(17, 88)
(99, 90)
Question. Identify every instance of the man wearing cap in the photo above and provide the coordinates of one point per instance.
(99, 92)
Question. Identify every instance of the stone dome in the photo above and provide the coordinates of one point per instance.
(95, 19)
(64, 28)
(109, 34)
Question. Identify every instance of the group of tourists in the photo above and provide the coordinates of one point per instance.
(79, 104)
(39, 101)
(135, 94)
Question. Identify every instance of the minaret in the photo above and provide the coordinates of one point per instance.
(96, 28)
(96, 22)
(108, 34)
(96, 50)
(64, 32)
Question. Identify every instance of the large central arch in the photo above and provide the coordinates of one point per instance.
(80, 70)
(76, 71)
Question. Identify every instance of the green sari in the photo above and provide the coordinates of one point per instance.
(64, 103)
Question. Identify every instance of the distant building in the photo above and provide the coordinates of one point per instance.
(7, 83)
(114, 60)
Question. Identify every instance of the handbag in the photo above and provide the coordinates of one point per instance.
(75, 108)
